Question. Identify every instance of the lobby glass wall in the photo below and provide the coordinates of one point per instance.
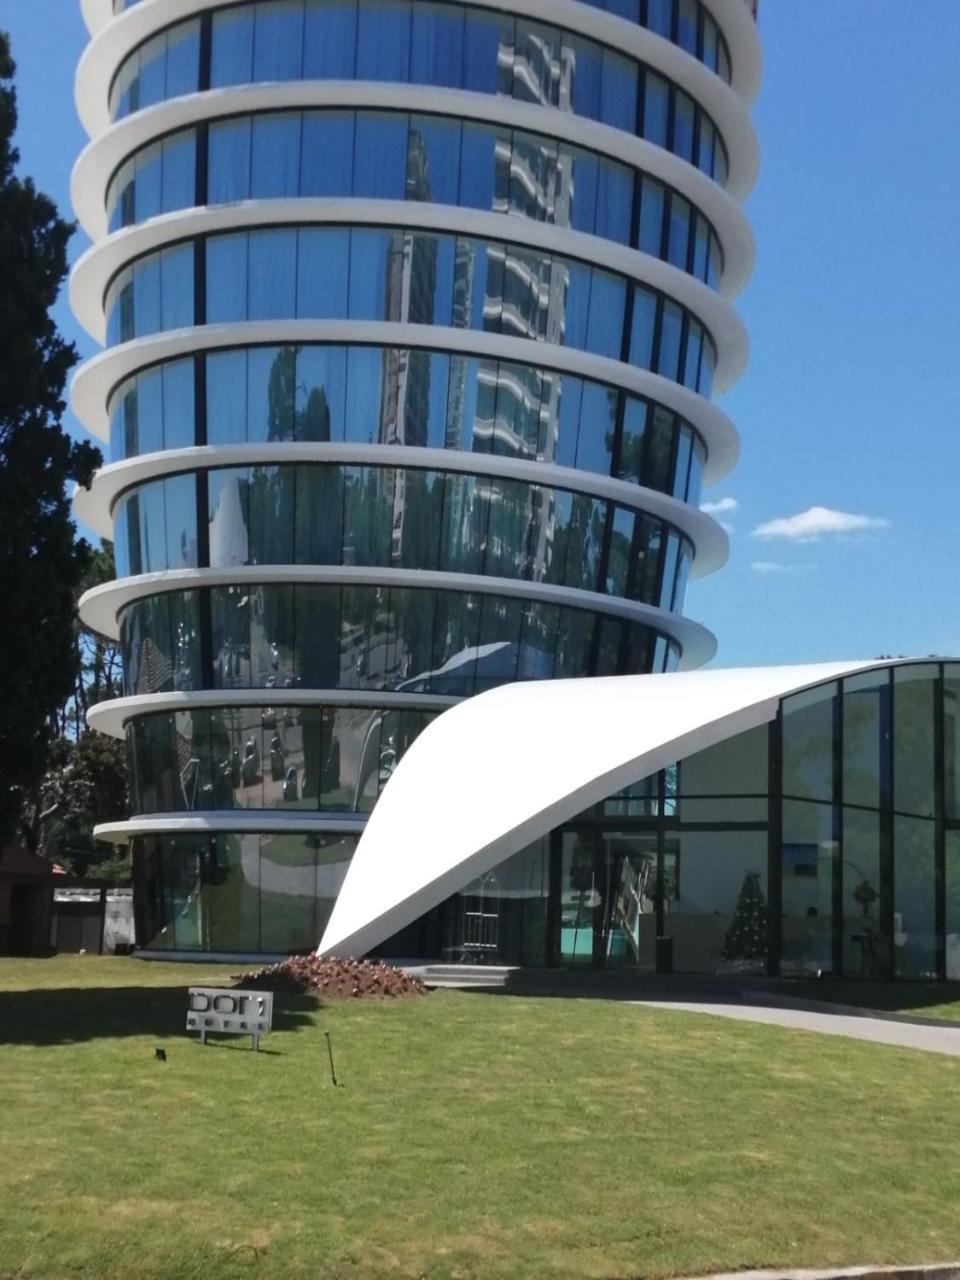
(825, 842)
(250, 892)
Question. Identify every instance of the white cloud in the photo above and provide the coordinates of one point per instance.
(769, 566)
(809, 525)
(722, 507)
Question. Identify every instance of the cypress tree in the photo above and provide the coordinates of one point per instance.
(41, 560)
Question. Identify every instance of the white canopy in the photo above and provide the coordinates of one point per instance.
(499, 770)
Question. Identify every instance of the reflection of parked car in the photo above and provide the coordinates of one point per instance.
(277, 758)
(290, 784)
(251, 763)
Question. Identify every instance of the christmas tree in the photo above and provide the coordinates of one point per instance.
(747, 936)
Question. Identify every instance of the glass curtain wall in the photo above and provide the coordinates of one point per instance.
(827, 842)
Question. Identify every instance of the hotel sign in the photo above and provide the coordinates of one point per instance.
(226, 1011)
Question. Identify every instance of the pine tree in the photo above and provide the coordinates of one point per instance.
(41, 561)
(747, 936)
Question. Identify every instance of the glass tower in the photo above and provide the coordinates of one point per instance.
(413, 314)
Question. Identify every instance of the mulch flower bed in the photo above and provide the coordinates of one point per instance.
(330, 976)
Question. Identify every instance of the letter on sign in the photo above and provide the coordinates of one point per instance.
(232, 1013)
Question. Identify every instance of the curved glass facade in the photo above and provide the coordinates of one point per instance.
(354, 582)
(451, 522)
(406, 639)
(408, 42)
(687, 23)
(422, 158)
(309, 758)
(411, 277)
(390, 395)
(262, 893)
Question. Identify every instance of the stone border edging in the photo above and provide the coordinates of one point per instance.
(773, 998)
(923, 1271)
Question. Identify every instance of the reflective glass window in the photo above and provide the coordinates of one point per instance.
(682, 464)
(433, 160)
(273, 274)
(227, 273)
(656, 108)
(327, 156)
(229, 160)
(914, 693)
(643, 328)
(323, 268)
(659, 448)
(618, 91)
(952, 895)
(808, 744)
(716, 906)
(679, 231)
(687, 25)
(671, 330)
(319, 406)
(231, 60)
(278, 40)
(914, 911)
(381, 155)
(226, 397)
(536, 62)
(808, 854)
(488, 51)
(864, 949)
(865, 737)
(585, 58)
(605, 323)
(275, 162)
(330, 40)
(951, 739)
(683, 125)
(597, 428)
(383, 40)
(630, 464)
(436, 47)
(614, 202)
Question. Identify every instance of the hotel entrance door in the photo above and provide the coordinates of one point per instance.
(603, 899)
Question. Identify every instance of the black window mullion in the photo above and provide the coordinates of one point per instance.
(200, 280)
(775, 845)
(837, 922)
(206, 52)
(939, 804)
(886, 827)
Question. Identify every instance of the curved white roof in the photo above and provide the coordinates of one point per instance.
(499, 770)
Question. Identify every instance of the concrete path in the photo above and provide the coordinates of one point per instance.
(945, 1039)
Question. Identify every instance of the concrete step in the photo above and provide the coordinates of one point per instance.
(463, 975)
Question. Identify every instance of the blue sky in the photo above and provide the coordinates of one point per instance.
(850, 401)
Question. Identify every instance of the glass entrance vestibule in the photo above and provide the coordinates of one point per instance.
(827, 841)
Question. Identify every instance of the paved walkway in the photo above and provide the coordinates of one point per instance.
(945, 1039)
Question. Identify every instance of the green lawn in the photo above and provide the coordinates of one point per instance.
(922, 999)
(473, 1136)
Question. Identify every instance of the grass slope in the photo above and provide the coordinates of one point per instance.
(474, 1136)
